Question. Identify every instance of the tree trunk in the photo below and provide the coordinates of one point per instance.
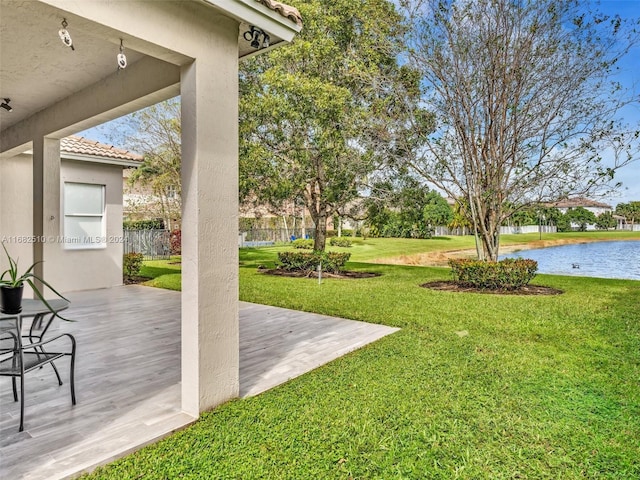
(487, 228)
(304, 224)
(490, 239)
(320, 239)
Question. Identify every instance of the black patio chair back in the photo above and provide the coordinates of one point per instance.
(21, 353)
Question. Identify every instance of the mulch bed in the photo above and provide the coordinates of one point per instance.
(296, 273)
(134, 280)
(450, 286)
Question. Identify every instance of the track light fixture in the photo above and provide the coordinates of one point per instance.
(64, 35)
(122, 59)
(258, 38)
(5, 105)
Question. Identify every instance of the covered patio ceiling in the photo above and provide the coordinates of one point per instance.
(38, 71)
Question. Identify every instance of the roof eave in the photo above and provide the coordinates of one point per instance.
(121, 162)
(255, 13)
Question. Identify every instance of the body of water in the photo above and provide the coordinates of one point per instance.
(597, 259)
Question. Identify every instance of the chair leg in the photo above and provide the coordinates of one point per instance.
(21, 403)
(55, 369)
(15, 389)
(72, 371)
(53, 365)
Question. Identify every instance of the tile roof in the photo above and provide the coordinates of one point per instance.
(579, 202)
(285, 10)
(83, 146)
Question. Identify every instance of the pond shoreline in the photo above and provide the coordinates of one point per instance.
(441, 258)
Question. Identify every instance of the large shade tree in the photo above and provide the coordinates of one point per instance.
(310, 111)
(527, 110)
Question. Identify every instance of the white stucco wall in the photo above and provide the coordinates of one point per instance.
(67, 270)
(16, 209)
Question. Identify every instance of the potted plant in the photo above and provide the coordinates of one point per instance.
(12, 286)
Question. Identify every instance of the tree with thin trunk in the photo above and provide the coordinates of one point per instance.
(527, 109)
(155, 133)
(309, 111)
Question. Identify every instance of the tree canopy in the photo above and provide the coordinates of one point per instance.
(404, 208)
(631, 211)
(310, 111)
(525, 104)
(158, 136)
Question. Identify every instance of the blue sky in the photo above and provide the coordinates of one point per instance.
(629, 76)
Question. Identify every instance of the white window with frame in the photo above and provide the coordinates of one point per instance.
(84, 218)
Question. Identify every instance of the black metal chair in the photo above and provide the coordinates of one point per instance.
(28, 353)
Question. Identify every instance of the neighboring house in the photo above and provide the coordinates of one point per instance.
(596, 207)
(187, 48)
(141, 203)
(90, 219)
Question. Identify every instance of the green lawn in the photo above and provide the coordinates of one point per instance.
(474, 386)
(164, 274)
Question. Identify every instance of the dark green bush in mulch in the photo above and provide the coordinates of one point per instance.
(332, 262)
(507, 274)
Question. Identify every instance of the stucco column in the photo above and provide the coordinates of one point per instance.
(210, 343)
(46, 200)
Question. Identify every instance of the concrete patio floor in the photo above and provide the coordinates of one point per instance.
(128, 377)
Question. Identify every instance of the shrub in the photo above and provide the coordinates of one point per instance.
(302, 243)
(175, 242)
(332, 262)
(131, 264)
(156, 224)
(345, 232)
(339, 242)
(507, 274)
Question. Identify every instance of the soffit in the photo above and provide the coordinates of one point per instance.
(37, 69)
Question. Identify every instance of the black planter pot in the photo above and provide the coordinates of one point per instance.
(11, 299)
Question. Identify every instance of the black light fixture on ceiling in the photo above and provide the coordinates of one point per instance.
(6, 106)
(258, 38)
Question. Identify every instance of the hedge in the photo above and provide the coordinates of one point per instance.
(339, 242)
(308, 262)
(507, 274)
(156, 224)
(305, 243)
